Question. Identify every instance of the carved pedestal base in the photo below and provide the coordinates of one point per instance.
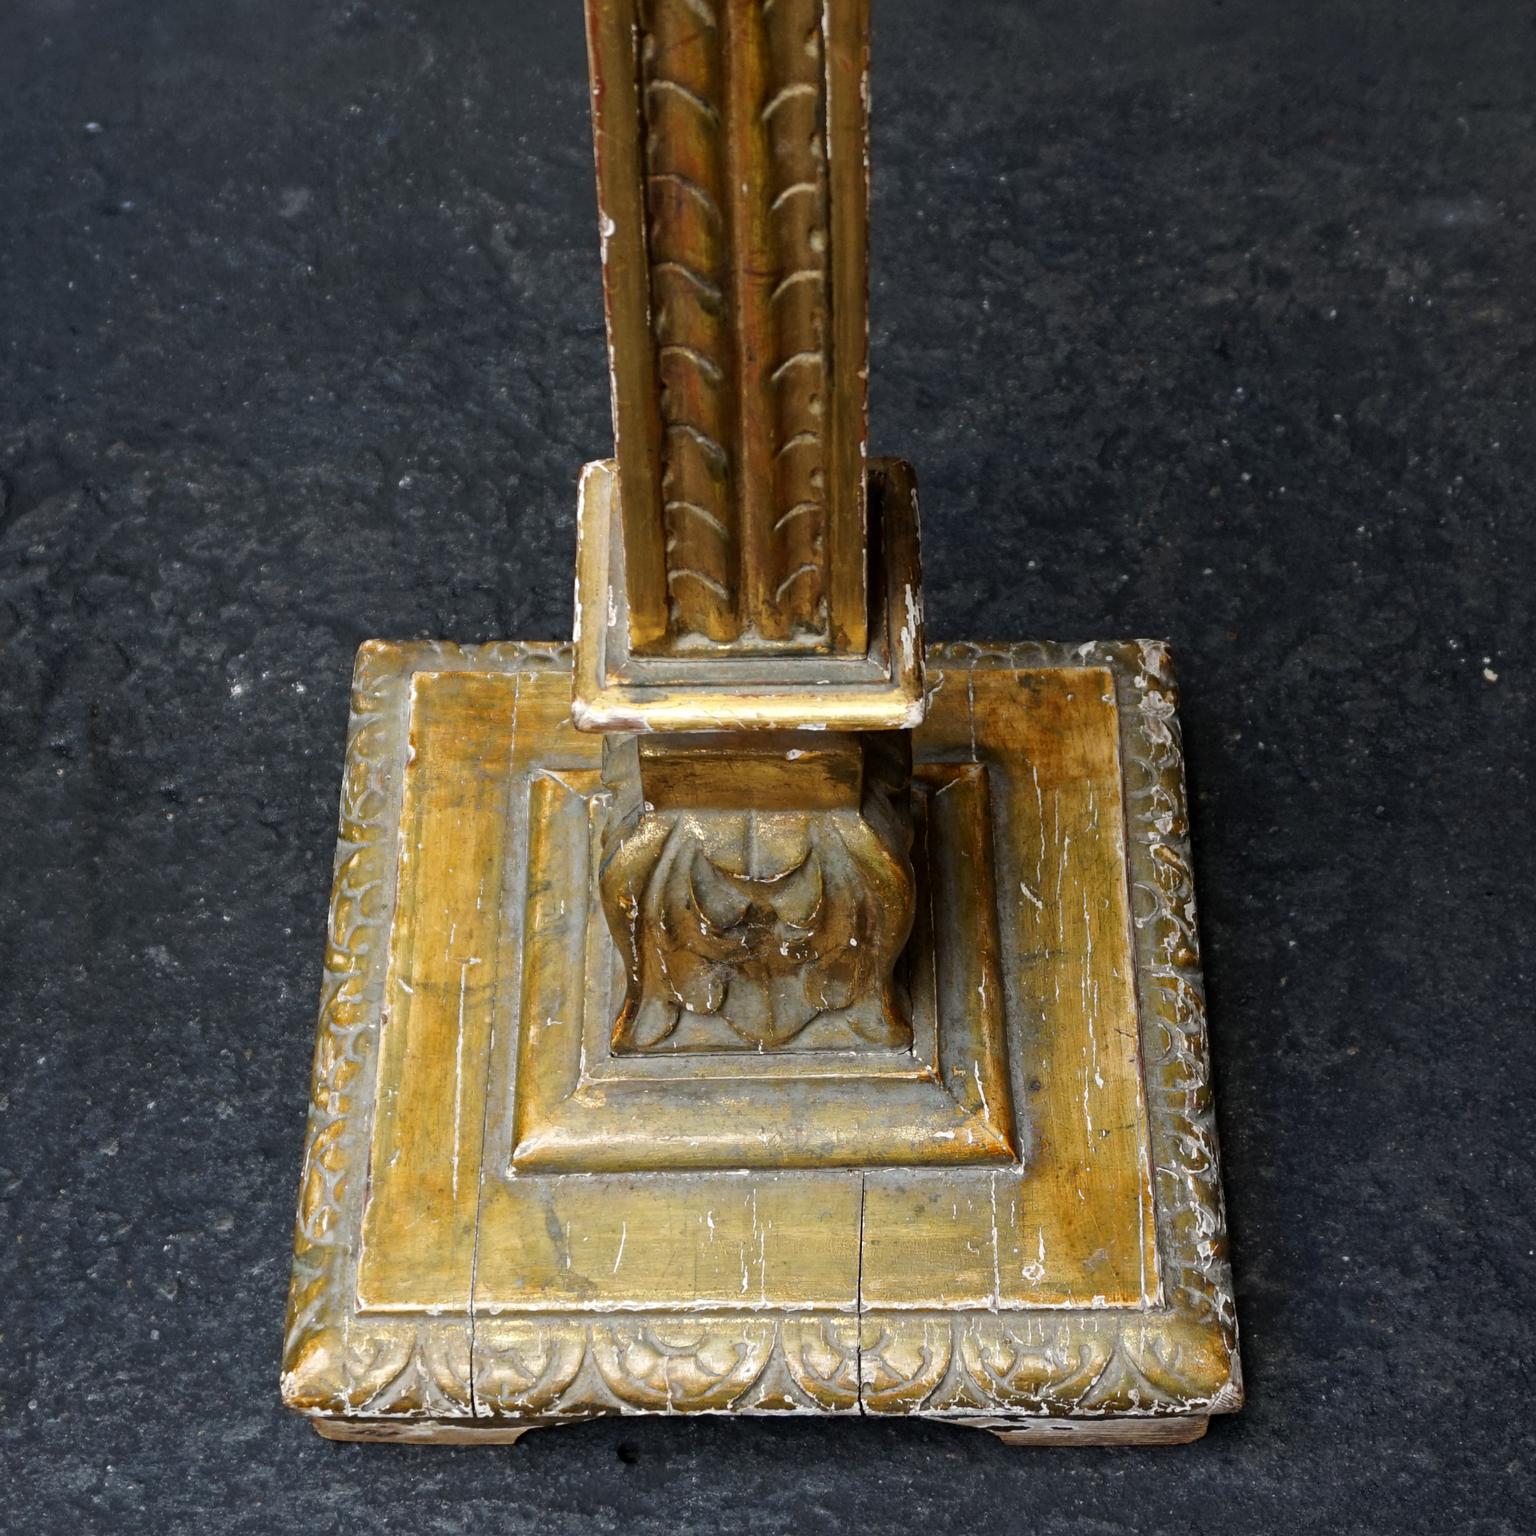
(1004, 1214)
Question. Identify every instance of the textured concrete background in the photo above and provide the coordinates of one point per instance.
(1206, 318)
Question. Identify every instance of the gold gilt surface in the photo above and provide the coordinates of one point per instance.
(503, 1224)
(582, 1107)
(732, 183)
(618, 689)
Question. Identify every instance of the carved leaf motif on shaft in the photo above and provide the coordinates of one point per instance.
(733, 106)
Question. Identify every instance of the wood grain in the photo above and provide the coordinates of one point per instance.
(419, 1234)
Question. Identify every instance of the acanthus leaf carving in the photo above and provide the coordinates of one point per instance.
(764, 921)
(674, 1365)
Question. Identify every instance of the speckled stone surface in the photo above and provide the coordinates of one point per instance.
(1213, 320)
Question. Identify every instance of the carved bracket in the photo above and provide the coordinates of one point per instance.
(757, 883)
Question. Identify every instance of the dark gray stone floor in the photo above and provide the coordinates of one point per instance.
(1209, 318)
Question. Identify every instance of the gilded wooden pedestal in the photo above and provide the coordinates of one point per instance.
(1010, 1218)
(742, 1010)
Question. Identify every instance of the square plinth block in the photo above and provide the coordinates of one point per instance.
(882, 689)
(579, 1107)
(1014, 1223)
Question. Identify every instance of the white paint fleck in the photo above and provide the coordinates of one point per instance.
(997, 1271)
(981, 1092)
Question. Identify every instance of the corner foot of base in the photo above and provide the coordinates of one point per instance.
(421, 1432)
(1164, 1430)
